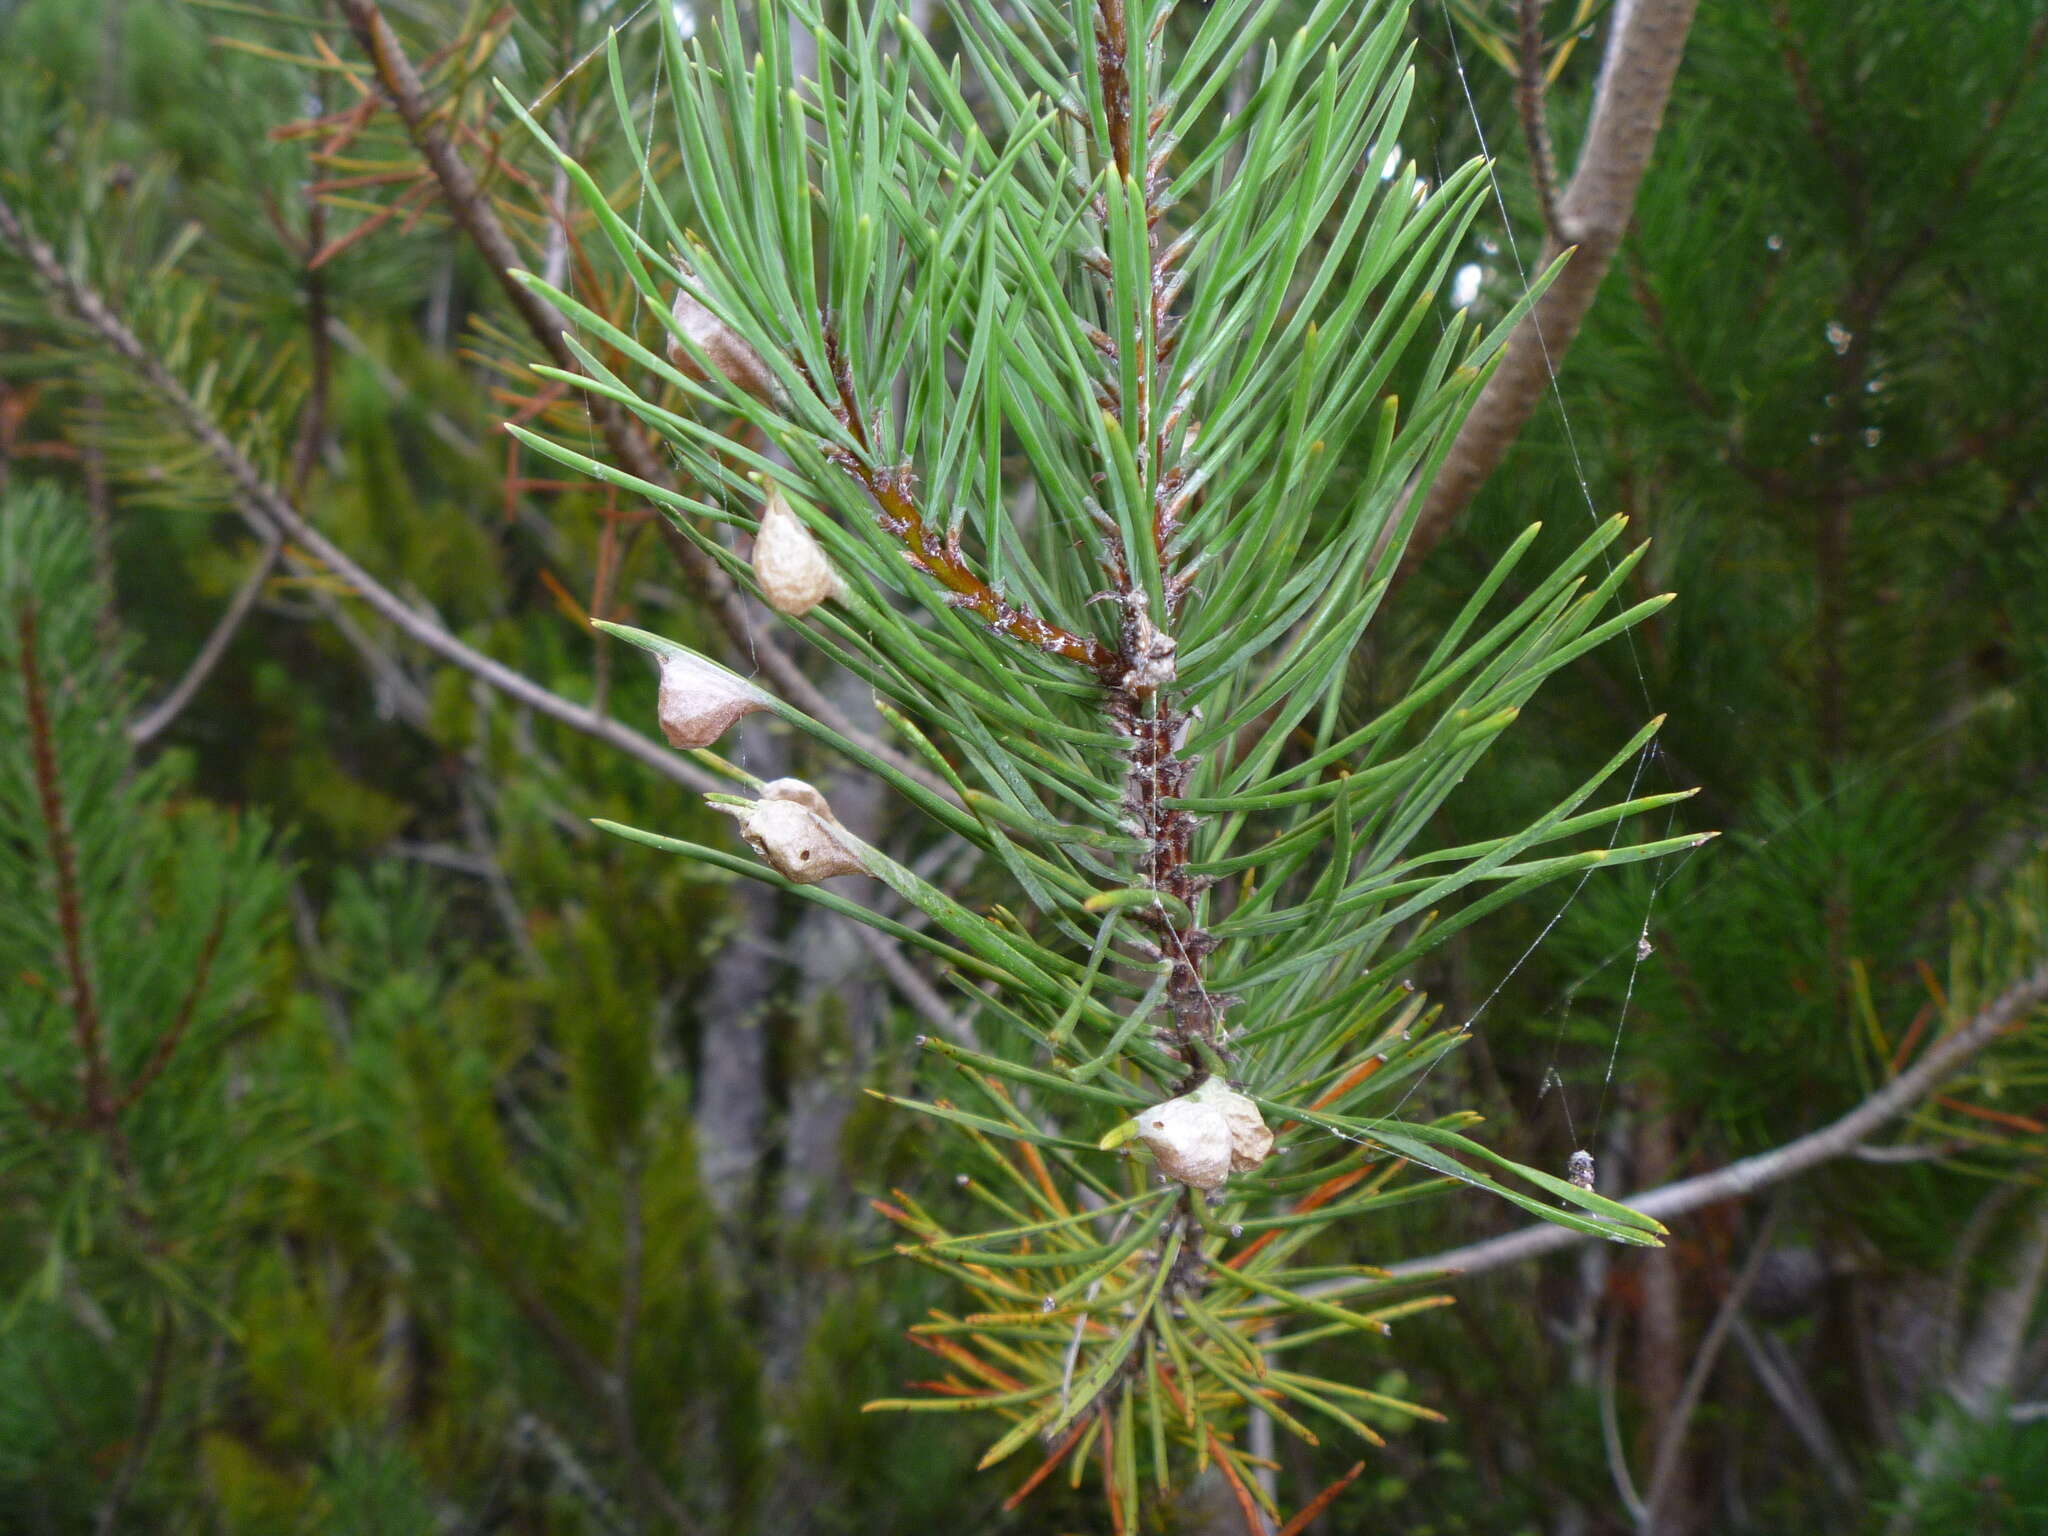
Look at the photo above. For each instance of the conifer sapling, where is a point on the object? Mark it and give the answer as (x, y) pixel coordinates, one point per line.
(1109, 411)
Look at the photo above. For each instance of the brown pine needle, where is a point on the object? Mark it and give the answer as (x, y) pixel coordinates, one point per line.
(1320, 1502)
(1045, 1468)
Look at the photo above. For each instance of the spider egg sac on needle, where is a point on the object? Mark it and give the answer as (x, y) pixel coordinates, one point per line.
(1202, 1137)
(699, 702)
(794, 574)
(793, 829)
(1250, 1142)
(728, 351)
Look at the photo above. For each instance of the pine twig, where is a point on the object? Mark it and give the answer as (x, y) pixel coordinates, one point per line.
(1529, 100)
(895, 500)
(48, 1116)
(168, 1042)
(1592, 214)
(85, 1016)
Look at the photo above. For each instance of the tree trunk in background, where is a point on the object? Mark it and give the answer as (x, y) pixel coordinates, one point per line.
(1660, 1330)
(1646, 40)
(1989, 1370)
(732, 1073)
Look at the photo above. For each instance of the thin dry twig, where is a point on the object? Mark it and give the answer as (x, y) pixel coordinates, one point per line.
(1664, 1466)
(912, 985)
(154, 721)
(1610, 1429)
(1794, 1399)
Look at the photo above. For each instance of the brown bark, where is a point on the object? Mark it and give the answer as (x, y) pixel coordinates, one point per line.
(1660, 1336)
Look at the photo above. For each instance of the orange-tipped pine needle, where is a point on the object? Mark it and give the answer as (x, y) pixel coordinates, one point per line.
(564, 599)
(1116, 1503)
(1181, 1404)
(1319, 1503)
(1995, 1116)
(1349, 1081)
(967, 1360)
(369, 226)
(1912, 1038)
(1253, 1523)
(1321, 1195)
(1934, 989)
(1045, 1469)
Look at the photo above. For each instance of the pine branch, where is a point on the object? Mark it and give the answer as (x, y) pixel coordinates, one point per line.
(1739, 1180)
(473, 211)
(168, 1042)
(273, 516)
(1593, 215)
(893, 493)
(1204, 712)
(85, 1016)
(1529, 100)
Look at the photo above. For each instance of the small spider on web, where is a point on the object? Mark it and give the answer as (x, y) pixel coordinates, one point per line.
(1580, 1170)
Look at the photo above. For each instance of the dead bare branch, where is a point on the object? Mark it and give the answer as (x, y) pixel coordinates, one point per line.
(1665, 1465)
(1985, 1377)
(153, 722)
(1794, 1399)
(1739, 1179)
